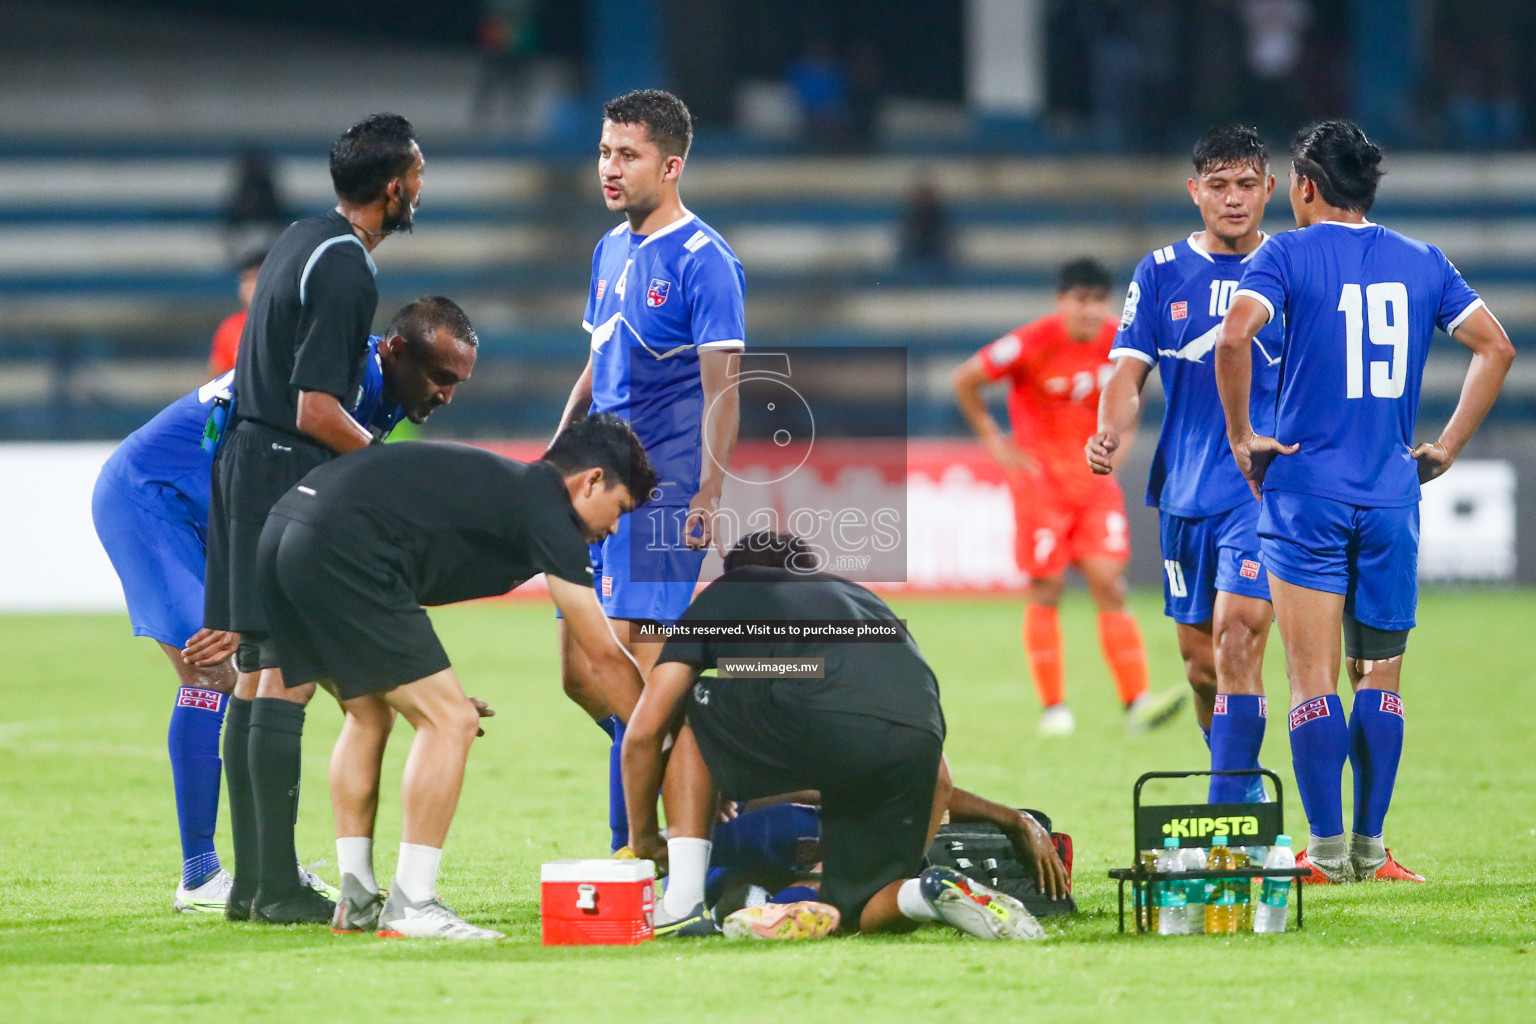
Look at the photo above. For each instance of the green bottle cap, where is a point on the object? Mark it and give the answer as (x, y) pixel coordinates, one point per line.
(1170, 841)
(1218, 840)
(1282, 840)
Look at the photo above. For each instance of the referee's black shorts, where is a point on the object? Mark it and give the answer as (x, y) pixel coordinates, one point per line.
(255, 467)
(342, 611)
(876, 778)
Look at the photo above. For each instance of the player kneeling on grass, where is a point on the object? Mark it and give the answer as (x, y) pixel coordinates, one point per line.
(347, 560)
(868, 734)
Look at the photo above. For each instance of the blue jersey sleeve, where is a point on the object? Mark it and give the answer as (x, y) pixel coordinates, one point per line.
(716, 290)
(1135, 337)
(1457, 299)
(1267, 278)
(589, 316)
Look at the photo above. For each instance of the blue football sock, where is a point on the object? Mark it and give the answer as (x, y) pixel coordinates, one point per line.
(796, 894)
(618, 817)
(1375, 747)
(1205, 734)
(764, 838)
(1237, 733)
(1319, 748)
(193, 741)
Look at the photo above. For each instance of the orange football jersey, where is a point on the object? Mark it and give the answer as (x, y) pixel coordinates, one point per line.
(1053, 396)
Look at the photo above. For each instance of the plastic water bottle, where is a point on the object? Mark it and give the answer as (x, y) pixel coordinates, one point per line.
(1147, 861)
(1242, 887)
(1221, 910)
(1275, 897)
(1172, 901)
(1192, 858)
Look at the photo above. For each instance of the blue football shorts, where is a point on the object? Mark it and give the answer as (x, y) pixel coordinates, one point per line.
(644, 571)
(1211, 553)
(158, 549)
(1370, 555)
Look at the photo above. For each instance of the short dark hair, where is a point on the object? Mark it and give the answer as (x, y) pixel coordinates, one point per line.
(607, 442)
(773, 549)
(666, 118)
(1343, 164)
(371, 154)
(417, 321)
(1230, 145)
(1083, 273)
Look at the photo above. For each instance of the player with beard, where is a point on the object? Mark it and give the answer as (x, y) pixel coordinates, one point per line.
(150, 508)
(301, 359)
(665, 312)
(1215, 588)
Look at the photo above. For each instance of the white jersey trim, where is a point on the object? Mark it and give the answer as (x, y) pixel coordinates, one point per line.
(1350, 224)
(1134, 353)
(669, 228)
(1269, 306)
(587, 327)
(697, 242)
(727, 343)
(1473, 307)
(1263, 237)
(314, 258)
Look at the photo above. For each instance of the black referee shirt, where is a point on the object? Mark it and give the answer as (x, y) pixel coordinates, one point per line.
(889, 681)
(456, 522)
(308, 324)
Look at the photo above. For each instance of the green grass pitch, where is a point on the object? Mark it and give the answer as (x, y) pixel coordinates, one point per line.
(88, 853)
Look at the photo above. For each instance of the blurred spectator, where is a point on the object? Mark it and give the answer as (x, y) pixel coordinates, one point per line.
(1115, 70)
(1483, 99)
(226, 340)
(866, 87)
(507, 35)
(1276, 31)
(925, 248)
(821, 89)
(254, 211)
(1214, 68)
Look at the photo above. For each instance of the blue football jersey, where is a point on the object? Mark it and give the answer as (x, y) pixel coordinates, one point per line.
(1359, 304)
(163, 462)
(656, 302)
(1172, 317)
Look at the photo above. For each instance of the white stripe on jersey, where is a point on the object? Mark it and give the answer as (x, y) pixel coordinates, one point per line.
(314, 257)
(697, 242)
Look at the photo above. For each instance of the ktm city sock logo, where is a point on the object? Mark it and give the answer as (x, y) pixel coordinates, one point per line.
(193, 697)
(1301, 714)
(1392, 704)
(1221, 704)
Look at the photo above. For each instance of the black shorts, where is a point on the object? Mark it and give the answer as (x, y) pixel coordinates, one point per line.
(876, 778)
(256, 466)
(342, 612)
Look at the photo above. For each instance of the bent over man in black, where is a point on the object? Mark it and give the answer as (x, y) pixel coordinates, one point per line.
(348, 558)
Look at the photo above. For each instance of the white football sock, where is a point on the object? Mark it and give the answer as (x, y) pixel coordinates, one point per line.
(909, 900)
(687, 868)
(354, 856)
(416, 874)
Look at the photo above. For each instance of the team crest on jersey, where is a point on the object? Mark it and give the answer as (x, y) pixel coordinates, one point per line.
(1132, 298)
(602, 286)
(656, 293)
(1301, 714)
(1392, 704)
(1249, 570)
(1179, 310)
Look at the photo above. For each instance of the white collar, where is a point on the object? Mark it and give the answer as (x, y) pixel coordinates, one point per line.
(669, 228)
(1263, 237)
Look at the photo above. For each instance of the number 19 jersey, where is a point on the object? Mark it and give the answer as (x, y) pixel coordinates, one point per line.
(1360, 304)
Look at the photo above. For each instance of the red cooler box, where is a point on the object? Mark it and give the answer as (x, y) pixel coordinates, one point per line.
(597, 902)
